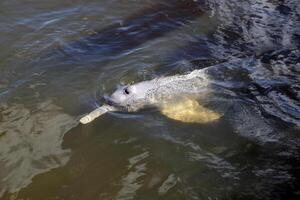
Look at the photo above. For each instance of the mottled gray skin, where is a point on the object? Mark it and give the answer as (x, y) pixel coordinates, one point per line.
(157, 91)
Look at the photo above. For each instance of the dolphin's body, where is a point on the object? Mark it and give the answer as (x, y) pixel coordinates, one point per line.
(157, 91)
(164, 93)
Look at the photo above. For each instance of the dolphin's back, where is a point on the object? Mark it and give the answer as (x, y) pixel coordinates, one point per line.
(179, 85)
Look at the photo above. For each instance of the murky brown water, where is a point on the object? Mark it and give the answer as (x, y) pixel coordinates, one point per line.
(58, 58)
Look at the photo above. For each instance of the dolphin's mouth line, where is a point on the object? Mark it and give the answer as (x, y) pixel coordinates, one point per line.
(116, 106)
(109, 106)
(109, 101)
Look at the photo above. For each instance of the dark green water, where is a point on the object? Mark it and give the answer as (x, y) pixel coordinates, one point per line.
(57, 59)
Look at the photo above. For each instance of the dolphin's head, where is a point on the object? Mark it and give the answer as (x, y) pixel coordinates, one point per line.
(132, 97)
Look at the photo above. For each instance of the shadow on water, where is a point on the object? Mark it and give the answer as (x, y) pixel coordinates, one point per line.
(125, 36)
(146, 25)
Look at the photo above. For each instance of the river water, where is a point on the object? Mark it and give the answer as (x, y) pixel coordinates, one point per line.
(58, 58)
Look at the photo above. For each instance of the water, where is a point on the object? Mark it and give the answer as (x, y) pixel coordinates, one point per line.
(58, 58)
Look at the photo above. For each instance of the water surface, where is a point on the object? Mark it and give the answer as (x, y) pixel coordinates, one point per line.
(57, 59)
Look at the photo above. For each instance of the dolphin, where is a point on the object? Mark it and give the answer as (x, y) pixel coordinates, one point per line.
(175, 96)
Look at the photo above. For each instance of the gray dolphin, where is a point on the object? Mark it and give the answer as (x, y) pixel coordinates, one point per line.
(172, 94)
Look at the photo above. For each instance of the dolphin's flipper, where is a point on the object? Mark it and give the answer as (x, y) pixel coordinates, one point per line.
(96, 113)
(189, 111)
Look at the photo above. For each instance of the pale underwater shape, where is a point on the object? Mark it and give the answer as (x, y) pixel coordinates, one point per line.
(189, 111)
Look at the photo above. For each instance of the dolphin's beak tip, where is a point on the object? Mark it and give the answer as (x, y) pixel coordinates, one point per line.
(85, 120)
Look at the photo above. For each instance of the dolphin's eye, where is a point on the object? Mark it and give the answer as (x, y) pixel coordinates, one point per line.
(126, 91)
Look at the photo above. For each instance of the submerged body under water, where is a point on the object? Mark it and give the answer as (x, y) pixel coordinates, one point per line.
(58, 59)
